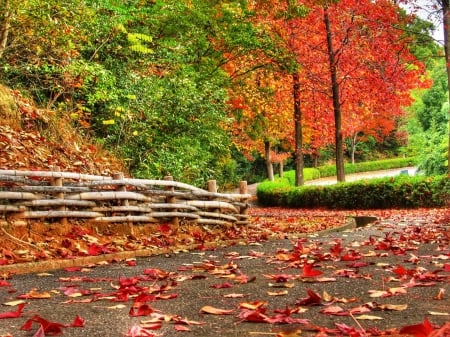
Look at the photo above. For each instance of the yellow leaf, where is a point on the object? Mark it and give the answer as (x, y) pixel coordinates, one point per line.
(35, 294)
(282, 285)
(118, 306)
(14, 303)
(368, 317)
(435, 313)
(108, 122)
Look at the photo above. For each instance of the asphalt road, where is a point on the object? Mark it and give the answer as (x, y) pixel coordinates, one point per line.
(182, 284)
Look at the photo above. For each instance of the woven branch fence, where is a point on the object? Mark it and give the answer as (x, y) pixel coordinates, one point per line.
(66, 196)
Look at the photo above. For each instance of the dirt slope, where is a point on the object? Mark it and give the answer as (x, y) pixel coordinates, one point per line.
(38, 139)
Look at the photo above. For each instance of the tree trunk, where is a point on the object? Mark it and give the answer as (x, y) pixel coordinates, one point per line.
(340, 173)
(446, 21)
(269, 166)
(299, 180)
(4, 27)
(281, 169)
(354, 147)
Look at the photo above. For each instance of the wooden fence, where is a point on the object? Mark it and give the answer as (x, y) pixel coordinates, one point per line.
(66, 196)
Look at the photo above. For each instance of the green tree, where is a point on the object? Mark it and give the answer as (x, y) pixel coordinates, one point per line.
(165, 106)
(434, 100)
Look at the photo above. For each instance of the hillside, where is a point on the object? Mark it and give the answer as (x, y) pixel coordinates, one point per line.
(38, 139)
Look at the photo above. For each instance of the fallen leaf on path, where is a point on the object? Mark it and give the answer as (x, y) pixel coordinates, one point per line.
(312, 299)
(35, 294)
(179, 327)
(435, 313)
(440, 294)
(308, 271)
(13, 314)
(215, 311)
(387, 293)
(418, 330)
(277, 293)
(14, 303)
(334, 310)
(233, 295)
(252, 305)
(368, 317)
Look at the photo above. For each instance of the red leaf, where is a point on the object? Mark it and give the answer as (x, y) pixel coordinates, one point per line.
(156, 274)
(4, 283)
(78, 322)
(312, 299)
(137, 331)
(400, 270)
(142, 310)
(418, 330)
(309, 272)
(49, 328)
(39, 332)
(336, 250)
(255, 316)
(72, 269)
(351, 256)
(13, 314)
(222, 285)
(179, 327)
(131, 263)
(334, 310)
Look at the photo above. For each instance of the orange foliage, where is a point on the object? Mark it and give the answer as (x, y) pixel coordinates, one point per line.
(376, 73)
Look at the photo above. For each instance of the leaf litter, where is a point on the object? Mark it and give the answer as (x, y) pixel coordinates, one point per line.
(346, 284)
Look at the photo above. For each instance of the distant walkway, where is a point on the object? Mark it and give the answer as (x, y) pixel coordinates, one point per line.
(364, 175)
(351, 177)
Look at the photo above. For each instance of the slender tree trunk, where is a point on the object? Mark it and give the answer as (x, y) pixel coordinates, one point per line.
(4, 27)
(299, 163)
(281, 169)
(269, 165)
(340, 173)
(446, 21)
(354, 147)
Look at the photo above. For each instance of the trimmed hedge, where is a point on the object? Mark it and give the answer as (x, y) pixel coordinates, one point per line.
(380, 193)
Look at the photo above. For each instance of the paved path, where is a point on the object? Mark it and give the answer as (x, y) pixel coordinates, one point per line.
(173, 288)
(351, 177)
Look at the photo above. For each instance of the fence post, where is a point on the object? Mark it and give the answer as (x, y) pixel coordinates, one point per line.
(58, 181)
(243, 189)
(120, 188)
(212, 186)
(172, 200)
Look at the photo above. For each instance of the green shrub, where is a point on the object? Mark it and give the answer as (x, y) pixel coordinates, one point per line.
(309, 173)
(381, 193)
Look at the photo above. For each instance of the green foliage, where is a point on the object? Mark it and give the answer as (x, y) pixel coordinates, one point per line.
(145, 78)
(434, 100)
(432, 158)
(428, 125)
(394, 192)
(308, 174)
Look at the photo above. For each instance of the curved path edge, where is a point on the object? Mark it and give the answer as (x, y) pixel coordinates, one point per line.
(48, 265)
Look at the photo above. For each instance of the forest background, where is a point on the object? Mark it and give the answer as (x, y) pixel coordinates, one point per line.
(225, 89)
